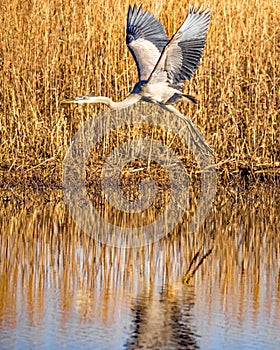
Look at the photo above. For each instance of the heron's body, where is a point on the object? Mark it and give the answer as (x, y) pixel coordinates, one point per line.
(163, 65)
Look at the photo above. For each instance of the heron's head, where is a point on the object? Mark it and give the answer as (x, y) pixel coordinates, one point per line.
(79, 99)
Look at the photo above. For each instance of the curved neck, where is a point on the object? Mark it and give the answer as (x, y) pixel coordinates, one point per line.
(99, 99)
(129, 101)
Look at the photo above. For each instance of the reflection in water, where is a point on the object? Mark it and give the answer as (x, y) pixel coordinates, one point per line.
(163, 322)
(60, 288)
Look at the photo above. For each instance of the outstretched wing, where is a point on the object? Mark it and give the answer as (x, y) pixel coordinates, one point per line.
(145, 38)
(181, 56)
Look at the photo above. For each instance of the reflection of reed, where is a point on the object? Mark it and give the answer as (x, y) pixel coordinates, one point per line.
(41, 249)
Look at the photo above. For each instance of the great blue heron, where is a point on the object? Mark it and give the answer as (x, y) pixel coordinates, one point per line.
(163, 65)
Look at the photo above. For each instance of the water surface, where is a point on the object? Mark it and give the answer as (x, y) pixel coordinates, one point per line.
(61, 289)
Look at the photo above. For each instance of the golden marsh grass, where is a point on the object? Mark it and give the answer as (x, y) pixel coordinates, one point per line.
(56, 49)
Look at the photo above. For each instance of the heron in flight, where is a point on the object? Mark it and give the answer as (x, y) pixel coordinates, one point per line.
(163, 65)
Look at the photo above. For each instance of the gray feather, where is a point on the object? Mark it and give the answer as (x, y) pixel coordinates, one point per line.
(181, 56)
(145, 38)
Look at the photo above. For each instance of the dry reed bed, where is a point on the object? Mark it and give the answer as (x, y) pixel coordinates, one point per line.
(54, 49)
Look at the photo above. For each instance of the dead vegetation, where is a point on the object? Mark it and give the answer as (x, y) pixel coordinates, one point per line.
(58, 49)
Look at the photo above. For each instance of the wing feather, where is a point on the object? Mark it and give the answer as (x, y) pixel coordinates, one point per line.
(181, 56)
(145, 38)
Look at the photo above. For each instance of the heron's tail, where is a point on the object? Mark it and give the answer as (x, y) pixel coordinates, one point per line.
(189, 98)
(177, 97)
